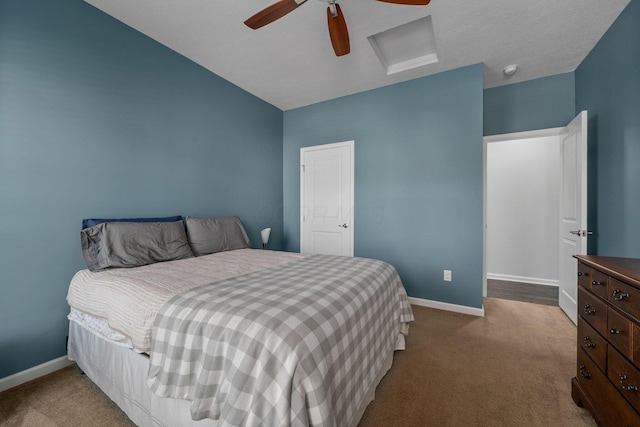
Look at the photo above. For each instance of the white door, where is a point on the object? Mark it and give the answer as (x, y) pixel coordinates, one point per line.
(326, 199)
(573, 210)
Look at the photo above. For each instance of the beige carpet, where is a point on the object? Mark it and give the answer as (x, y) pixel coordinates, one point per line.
(512, 367)
(62, 399)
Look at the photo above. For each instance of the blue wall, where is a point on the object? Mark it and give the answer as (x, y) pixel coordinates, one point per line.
(542, 103)
(418, 178)
(99, 120)
(608, 87)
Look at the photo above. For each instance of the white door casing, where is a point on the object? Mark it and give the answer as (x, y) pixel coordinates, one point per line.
(327, 199)
(573, 210)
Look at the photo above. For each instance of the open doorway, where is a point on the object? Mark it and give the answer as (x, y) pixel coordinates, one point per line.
(522, 202)
(571, 210)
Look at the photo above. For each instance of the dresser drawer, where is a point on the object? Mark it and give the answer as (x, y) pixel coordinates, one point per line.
(593, 310)
(588, 374)
(609, 409)
(625, 297)
(635, 344)
(625, 377)
(593, 344)
(584, 275)
(619, 330)
(598, 283)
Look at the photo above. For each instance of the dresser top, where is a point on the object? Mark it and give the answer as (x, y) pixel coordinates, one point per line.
(627, 269)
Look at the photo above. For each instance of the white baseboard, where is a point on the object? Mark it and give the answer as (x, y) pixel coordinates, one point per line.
(532, 280)
(448, 307)
(32, 373)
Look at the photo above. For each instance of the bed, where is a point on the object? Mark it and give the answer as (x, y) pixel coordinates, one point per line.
(238, 336)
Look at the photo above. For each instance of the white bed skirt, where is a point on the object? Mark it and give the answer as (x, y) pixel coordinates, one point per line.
(121, 374)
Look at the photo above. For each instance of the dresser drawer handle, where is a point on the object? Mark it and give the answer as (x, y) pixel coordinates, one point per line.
(618, 295)
(588, 343)
(614, 331)
(588, 310)
(586, 375)
(596, 283)
(580, 274)
(631, 387)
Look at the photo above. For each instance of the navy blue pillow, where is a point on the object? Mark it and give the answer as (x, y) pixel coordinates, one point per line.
(86, 223)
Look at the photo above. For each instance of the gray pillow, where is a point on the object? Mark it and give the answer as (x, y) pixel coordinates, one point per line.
(132, 244)
(216, 234)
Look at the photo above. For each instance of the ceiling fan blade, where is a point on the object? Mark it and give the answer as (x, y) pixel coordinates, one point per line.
(409, 2)
(338, 31)
(271, 13)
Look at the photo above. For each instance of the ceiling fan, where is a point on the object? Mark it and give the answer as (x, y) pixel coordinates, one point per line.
(337, 26)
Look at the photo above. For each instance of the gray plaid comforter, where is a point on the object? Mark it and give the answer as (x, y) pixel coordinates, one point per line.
(296, 345)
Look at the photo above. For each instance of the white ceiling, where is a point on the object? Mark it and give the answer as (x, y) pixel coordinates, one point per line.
(290, 63)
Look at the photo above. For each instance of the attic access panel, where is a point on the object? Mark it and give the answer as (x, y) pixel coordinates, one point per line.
(407, 46)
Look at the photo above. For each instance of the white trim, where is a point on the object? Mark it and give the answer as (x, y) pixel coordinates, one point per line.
(484, 217)
(541, 133)
(447, 306)
(532, 280)
(32, 373)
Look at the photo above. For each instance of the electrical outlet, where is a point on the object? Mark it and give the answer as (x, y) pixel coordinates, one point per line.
(447, 275)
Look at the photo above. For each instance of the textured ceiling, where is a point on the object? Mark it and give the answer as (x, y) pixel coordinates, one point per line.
(290, 63)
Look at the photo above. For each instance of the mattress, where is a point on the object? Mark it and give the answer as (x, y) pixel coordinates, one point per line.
(121, 374)
(249, 337)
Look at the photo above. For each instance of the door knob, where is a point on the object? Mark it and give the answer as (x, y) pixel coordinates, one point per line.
(581, 233)
(343, 225)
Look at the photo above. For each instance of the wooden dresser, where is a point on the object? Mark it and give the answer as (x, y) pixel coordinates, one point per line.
(607, 382)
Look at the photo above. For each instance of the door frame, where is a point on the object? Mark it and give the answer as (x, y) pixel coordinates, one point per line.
(351, 220)
(540, 133)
